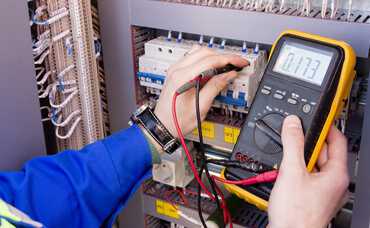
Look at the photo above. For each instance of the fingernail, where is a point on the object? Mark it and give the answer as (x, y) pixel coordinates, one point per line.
(245, 61)
(293, 121)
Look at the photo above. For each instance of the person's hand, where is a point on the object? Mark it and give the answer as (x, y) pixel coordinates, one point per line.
(195, 62)
(302, 199)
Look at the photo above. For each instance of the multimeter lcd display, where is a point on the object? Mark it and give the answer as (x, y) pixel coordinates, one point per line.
(303, 62)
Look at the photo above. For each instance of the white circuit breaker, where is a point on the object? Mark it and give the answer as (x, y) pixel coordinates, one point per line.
(161, 53)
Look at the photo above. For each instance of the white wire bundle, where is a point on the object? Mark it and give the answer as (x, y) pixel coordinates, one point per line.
(70, 131)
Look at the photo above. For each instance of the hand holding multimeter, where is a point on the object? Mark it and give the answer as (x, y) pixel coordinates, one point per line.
(307, 76)
(297, 194)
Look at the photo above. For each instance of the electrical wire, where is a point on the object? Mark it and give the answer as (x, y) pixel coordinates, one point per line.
(324, 8)
(167, 197)
(61, 86)
(201, 146)
(47, 108)
(334, 9)
(65, 71)
(60, 123)
(45, 93)
(63, 12)
(70, 131)
(199, 198)
(247, 166)
(265, 177)
(42, 58)
(349, 13)
(44, 78)
(269, 176)
(191, 163)
(187, 152)
(74, 92)
(42, 70)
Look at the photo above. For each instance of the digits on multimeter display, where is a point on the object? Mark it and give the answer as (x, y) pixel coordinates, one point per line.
(303, 62)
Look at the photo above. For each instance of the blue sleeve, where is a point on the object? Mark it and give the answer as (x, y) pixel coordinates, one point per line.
(80, 188)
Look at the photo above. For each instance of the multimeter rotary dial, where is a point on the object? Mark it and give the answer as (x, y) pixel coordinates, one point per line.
(267, 133)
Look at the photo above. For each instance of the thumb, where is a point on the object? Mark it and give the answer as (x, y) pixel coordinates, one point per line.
(293, 144)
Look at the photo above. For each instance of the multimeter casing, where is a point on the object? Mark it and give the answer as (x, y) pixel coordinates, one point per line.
(280, 95)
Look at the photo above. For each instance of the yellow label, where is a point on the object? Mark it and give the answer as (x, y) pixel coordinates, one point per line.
(236, 134)
(166, 209)
(208, 130)
(231, 134)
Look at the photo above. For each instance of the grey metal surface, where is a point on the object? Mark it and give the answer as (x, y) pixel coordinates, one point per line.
(21, 133)
(116, 39)
(243, 25)
(361, 211)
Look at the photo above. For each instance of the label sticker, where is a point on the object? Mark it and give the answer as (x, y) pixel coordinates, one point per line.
(231, 134)
(166, 209)
(236, 134)
(208, 130)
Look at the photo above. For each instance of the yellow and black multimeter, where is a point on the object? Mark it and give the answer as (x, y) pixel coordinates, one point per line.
(307, 75)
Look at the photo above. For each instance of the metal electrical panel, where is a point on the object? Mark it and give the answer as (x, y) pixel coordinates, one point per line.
(21, 133)
(127, 25)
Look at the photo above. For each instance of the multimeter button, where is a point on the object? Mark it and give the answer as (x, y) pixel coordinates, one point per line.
(295, 96)
(278, 96)
(281, 92)
(292, 101)
(265, 91)
(306, 108)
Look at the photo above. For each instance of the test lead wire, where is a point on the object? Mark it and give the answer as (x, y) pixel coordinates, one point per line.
(201, 151)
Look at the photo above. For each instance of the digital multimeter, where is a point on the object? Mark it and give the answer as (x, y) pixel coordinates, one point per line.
(307, 75)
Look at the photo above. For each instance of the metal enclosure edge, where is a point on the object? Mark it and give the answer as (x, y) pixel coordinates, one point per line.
(115, 26)
(361, 211)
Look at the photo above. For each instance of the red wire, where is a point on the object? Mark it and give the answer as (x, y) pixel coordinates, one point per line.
(168, 193)
(226, 212)
(188, 155)
(265, 177)
(183, 197)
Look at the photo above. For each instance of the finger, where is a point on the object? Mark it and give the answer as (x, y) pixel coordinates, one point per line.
(195, 54)
(323, 157)
(293, 144)
(212, 89)
(337, 151)
(215, 61)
